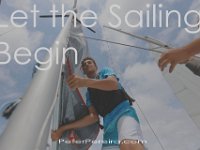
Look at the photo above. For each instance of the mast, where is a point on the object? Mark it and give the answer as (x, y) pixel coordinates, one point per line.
(28, 128)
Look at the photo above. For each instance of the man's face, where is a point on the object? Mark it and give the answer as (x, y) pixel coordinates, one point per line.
(89, 67)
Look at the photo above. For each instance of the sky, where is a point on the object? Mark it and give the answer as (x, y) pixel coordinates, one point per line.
(162, 116)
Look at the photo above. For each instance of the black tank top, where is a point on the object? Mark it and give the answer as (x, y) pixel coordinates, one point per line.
(105, 101)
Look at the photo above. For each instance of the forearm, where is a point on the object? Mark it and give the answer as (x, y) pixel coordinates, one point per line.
(193, 48)
(85, 121)
(106, 84)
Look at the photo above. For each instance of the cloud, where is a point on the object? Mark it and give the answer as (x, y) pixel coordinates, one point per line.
(25, 5)
(183, 37)
(179, 36)
(86, 4)
(171, 1)
(116, 52)
(10, 85)
(195, 5)
(140, 74)
(12, 74)
(16, 37)
(6, 78)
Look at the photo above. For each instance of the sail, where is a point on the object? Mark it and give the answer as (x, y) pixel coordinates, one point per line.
(72, 102)
(186, 87)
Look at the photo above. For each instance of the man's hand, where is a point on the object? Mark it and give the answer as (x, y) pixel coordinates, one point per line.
(56, 135)
(173, 57)
(75, 81)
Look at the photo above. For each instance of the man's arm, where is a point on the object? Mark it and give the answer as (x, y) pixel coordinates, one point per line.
(108, 84)
(179, 55)
(85, 121)
(194, 66)
(193, 48)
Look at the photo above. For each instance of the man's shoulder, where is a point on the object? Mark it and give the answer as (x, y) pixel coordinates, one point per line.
(106, 69)
(105, 72)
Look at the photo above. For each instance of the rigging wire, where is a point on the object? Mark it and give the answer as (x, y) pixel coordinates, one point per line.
(147, 121)
(6, 32)
(111, 61)
(119, 43)
(159, 141)
(154, 50)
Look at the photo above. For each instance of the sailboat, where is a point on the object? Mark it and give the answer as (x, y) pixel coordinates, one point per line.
(37, 124)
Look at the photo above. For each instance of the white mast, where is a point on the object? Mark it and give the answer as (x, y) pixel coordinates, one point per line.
(28, 128)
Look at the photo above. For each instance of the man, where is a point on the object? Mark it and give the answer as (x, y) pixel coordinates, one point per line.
(105, 97)
(180, 55)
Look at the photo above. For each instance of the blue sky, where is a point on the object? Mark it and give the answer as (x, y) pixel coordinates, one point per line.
(136, 68)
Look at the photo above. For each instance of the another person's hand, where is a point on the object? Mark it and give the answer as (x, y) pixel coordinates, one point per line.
(75, 81)
(173, 57)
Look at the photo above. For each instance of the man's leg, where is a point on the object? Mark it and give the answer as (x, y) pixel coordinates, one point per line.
(131, 145)
(130, 134)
